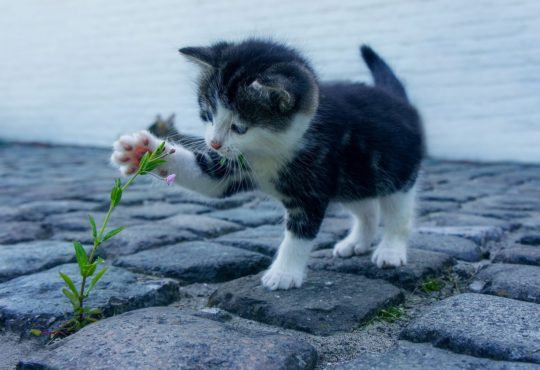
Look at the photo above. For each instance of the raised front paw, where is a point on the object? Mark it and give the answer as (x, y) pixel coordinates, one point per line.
(274, 279)
(129, 149)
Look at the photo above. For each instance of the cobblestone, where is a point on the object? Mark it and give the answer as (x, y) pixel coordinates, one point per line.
(36, 301)
(421, 264)
(512, 281)
(26, 258)
(167, 338)
(483, 326)
(485, 218)
(327, 302)
(522, 254)
(409, 356)
(196, 262)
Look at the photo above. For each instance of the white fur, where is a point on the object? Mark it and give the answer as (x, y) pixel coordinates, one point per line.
(365, 222)
(397, 212)
(288, 269)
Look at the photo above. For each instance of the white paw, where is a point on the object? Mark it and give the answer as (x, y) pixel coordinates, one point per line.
(347, 247)
(343, 249)
(390, 256)
(274, 279)
(129, 149)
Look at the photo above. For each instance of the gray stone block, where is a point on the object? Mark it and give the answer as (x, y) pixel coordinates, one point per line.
(414, 356)
(507, 280)
(266, 239)
(26, 258)
(520, 254)
(202, 225)
(250, 217)
(159, 210)
(38, 210)
(463, 219)
(168, 338)
(36, 301)
(478, 234)
(18, 232)
(421, 264)
(481, 325)
(78, 221)
(455, 246)
(326, 303)
(196, 262)
(141, 237)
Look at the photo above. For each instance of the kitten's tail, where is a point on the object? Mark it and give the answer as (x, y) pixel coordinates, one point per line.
(383, 75)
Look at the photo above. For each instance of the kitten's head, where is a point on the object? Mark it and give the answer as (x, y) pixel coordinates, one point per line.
(256, 96)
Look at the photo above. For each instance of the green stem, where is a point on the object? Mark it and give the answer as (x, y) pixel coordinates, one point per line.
(97, 243)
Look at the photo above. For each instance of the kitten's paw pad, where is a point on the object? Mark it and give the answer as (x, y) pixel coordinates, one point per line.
(275, 280)
(344, 249)
(393, 256)
(129, 149)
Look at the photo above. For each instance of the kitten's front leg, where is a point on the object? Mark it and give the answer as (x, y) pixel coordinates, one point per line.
(289, 268)
(129, 149)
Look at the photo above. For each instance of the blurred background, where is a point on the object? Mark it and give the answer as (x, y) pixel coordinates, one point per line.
(83, 72)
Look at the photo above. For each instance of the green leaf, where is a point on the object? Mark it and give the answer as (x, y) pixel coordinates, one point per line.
(95, 279)
(72, 298)
(153, 164)
(94, 228)
(143, 162)
(80, 254)
(113, 232)
(116, 195)
(90, 268)
(35, 332)
(69, 283)
(95, 311)
(159, 150)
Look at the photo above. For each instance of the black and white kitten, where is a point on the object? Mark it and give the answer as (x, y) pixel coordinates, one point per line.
(303, 142)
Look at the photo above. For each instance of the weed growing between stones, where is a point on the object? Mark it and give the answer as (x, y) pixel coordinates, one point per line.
(432, 285)
(88, 265)
(390, 314)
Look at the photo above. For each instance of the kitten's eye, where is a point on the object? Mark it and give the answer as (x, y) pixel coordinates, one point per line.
(240, 130)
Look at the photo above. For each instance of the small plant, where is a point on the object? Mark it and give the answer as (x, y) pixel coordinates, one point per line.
(432, 285)
(87, 263)
(391, 314)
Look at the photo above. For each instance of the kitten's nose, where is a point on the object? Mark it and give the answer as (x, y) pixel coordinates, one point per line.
(215, 144)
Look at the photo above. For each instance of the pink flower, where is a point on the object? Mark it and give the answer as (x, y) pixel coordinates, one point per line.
(170, 179)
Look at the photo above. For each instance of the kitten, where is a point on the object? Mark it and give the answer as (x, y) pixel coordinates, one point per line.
(303, 142)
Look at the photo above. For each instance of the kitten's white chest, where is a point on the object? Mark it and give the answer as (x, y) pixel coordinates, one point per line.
(265, 173)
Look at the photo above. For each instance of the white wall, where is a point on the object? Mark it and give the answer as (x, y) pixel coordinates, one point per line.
(86, 71)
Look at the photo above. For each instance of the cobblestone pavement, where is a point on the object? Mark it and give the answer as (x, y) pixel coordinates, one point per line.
(183, 286)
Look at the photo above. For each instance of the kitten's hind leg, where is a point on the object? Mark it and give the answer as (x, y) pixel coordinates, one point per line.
(365, 215)
(397, 213)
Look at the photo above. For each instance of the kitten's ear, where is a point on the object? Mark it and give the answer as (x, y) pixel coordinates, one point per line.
(158, 118)
(203, 56)
(170, 120)
(274, 92)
